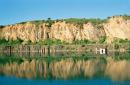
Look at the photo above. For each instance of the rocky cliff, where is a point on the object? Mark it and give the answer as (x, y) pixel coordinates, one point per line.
(114, 27)
(117, 27)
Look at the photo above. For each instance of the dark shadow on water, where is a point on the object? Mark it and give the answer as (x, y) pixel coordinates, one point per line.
(17, 81)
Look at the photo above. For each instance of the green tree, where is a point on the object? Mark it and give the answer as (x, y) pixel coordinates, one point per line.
(49, 22)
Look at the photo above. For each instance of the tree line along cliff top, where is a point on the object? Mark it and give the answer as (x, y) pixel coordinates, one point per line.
(78, 21)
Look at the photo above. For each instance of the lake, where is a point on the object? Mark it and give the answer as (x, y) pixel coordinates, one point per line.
(65, 68)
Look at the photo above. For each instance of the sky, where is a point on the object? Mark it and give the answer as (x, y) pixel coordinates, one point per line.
(14, 11)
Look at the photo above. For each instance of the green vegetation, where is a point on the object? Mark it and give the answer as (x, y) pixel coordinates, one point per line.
(10, 42)
(49, 22)
(126, 17)
(121, 41)
(81, 42)
(45, 42)
(121, 56)
(84, 20)
(102, 39)
(50, 42)
(77, 21)
(1, 26)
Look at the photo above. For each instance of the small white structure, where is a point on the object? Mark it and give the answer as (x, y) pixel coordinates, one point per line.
(101, 51)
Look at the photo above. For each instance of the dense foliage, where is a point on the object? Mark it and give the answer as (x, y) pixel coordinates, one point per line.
(1, 26)
(81, 42)
(102, 40)
(50, 42)
(121, 41)
(10, 42)
(84, 21)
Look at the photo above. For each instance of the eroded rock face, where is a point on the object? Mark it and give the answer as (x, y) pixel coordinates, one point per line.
(59, 30)
(25, 32)
(117, 27)
(89, 32)
(63, 31)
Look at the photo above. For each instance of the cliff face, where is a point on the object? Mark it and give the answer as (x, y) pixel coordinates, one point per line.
(26, 32)
(63, 31)
(115, 27)
(70, 32)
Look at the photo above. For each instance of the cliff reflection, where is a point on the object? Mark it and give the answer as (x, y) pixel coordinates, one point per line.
(118, 70)
(68, 68)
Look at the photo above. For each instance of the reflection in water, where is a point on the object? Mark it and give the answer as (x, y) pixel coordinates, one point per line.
(118, 70)
(68, 68)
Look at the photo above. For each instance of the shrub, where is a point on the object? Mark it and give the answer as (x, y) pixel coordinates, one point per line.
(3, 41)
(10, 42)
(49, 22)
(1, 26)
(81, 42)
(116, 46)
(121, 41)
(84, 20)
(102, 39)
(50, 42)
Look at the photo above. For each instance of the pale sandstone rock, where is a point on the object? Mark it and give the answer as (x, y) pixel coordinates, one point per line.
(116, 27)
(89, 32)
(63, 31)
(25, 32)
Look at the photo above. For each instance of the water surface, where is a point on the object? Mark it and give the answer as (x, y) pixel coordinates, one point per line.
(65, 69)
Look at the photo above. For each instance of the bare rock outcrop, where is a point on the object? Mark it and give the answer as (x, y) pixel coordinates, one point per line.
(117, 27)
(63, 31)
(89, 32)
(70, 32)
(26, 32)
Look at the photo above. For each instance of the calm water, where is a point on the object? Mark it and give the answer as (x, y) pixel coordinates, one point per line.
(65, 69)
